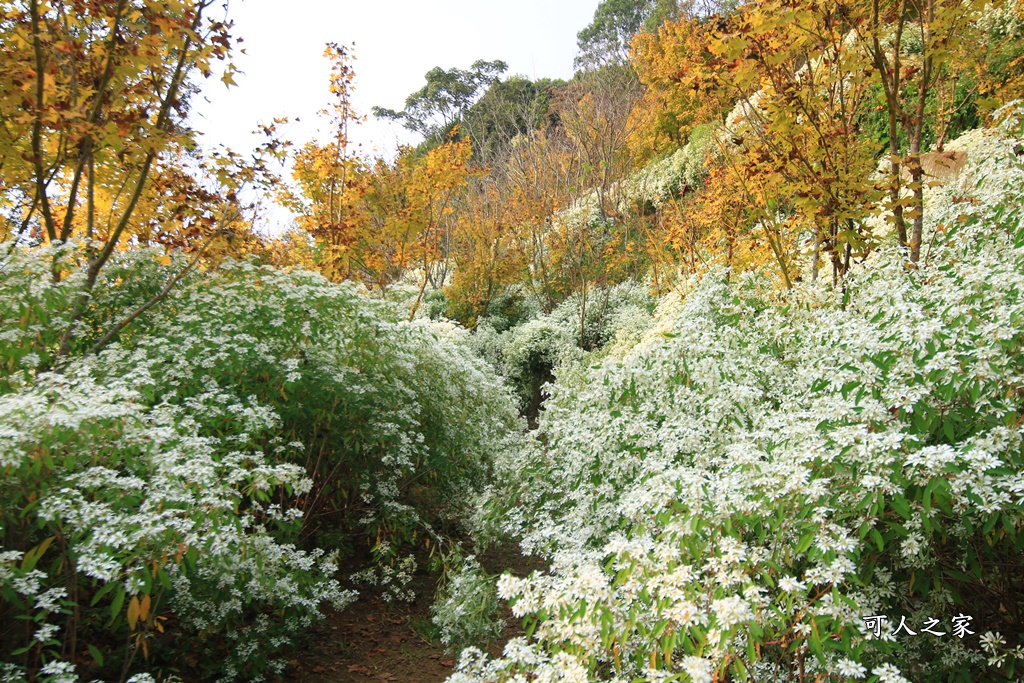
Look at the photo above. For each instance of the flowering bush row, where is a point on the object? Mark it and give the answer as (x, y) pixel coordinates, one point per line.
(162, 501)
(653, 185)
(526, 355)
(764, 471)
(677, 173)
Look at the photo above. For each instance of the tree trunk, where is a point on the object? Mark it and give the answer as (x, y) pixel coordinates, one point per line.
(816, 257)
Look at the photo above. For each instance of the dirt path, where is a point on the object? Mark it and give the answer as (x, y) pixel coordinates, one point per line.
(373, 640)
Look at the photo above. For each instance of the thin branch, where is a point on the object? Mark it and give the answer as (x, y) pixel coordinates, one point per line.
(86, 146)
(96, 264)
(157, 298)
(37, 123)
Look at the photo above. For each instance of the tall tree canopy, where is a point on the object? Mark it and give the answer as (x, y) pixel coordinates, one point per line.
(433, 110)
(606, 39)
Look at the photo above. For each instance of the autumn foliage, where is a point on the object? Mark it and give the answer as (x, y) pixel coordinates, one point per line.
(804, 102)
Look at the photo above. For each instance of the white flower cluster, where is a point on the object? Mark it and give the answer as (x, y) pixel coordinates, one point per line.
(675, 174)
(180, 463)
(654, 185)
(392, 580)
(1005, 20)
(608, 322)
(465, 609)
(771, 467)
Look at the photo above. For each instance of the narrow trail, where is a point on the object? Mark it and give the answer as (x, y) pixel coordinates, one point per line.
(374, 640)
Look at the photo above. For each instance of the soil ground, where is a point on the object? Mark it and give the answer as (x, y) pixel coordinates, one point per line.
(395, 642)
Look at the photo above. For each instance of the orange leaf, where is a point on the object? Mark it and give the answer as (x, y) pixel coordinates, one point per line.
(133, 612)
(144, 608)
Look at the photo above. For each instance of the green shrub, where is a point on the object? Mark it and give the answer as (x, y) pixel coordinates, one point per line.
(160, 498)
(732, 499)
(466, 607)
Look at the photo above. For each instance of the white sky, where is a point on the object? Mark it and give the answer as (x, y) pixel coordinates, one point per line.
(396, 43)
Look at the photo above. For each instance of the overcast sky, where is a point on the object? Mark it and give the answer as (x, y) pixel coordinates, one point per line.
(396, 43)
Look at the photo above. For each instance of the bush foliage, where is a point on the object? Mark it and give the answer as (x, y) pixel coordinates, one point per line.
(166, 491)
(733, 497)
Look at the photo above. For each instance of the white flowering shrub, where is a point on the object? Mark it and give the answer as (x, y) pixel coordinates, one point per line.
(35, 309)
(642, 191)
(607, 310)
(391, 578)
(129, 517)
(529, 355)
(532, 352)
(664, 179)
(466, 607)
(627, 327)
(511, 308)
(1002, 20)
(732, 498)
(166, 496)
(488, 343)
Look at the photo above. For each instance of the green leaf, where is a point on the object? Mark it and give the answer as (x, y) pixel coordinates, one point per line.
(815, 642)
(877, 538)
(899, 503)
(164, 578)
(805, 542)
(117, 604)
(848, 387)
(926, 497)
(103, 591)
(32, 557)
